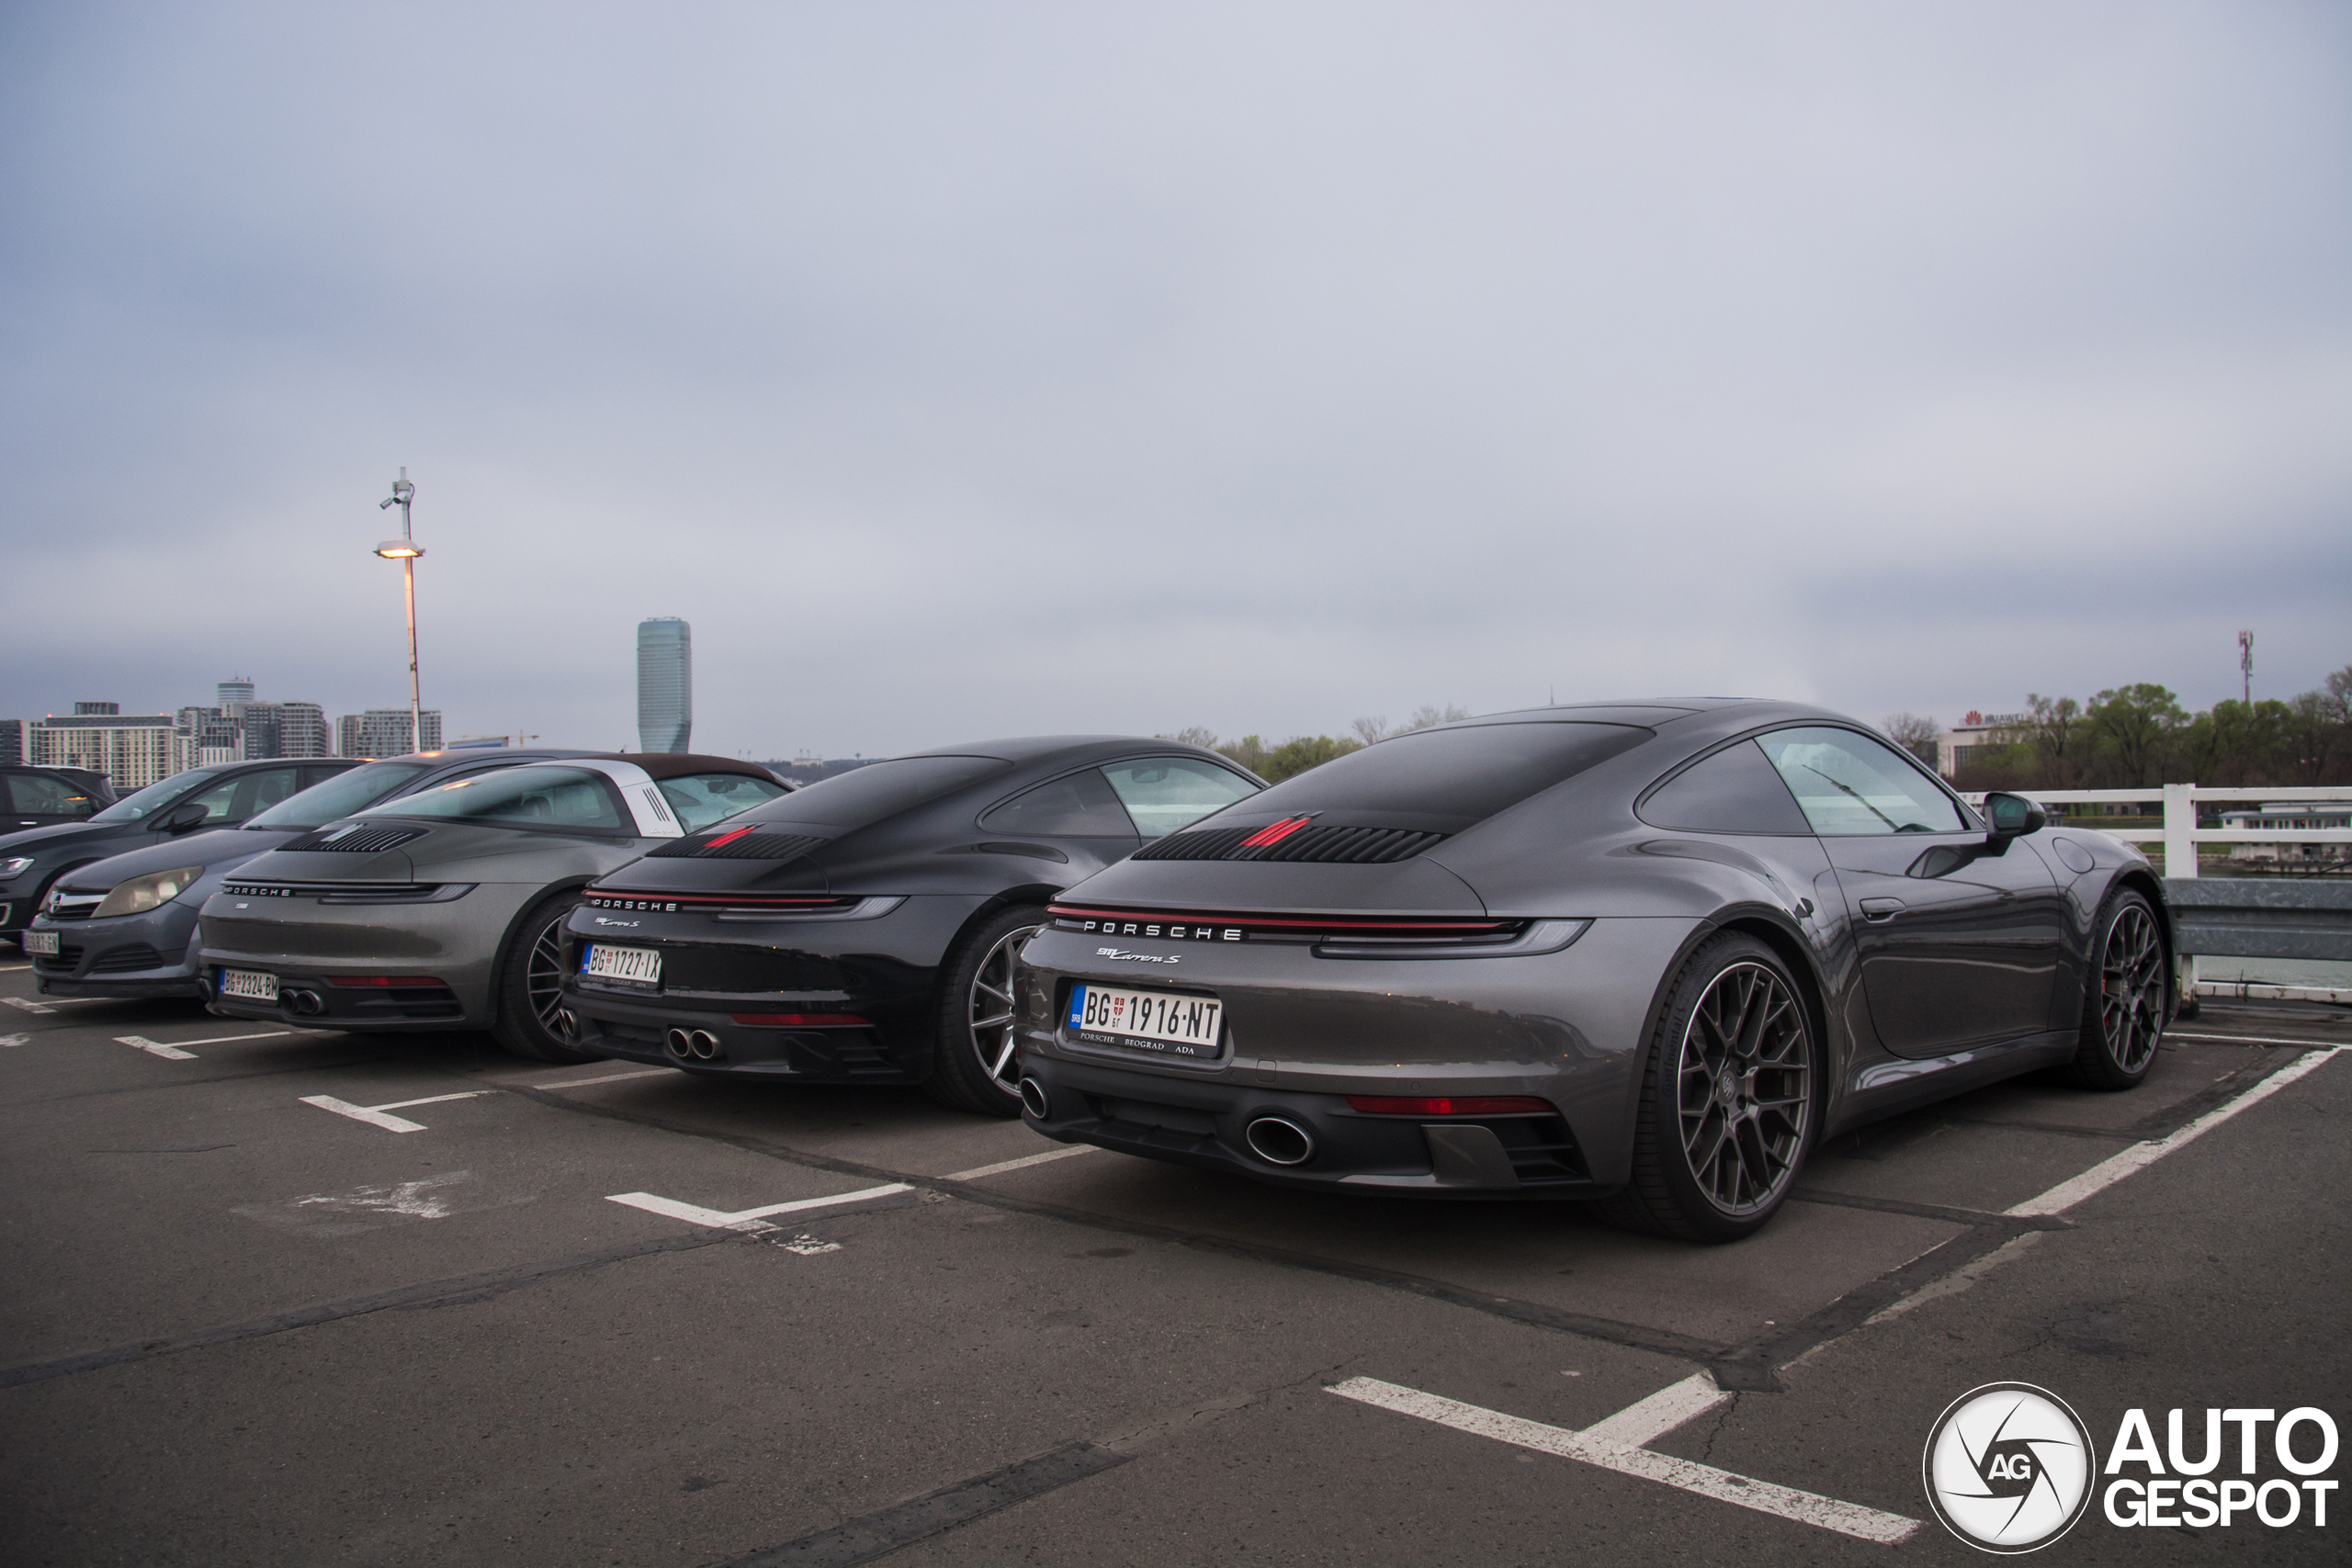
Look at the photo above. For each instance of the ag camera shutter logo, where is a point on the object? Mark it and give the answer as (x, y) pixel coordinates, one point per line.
(2009, 1467)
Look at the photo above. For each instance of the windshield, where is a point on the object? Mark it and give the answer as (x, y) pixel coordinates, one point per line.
(156, 796)
(877, 790)
(339, 796)
(531, 797)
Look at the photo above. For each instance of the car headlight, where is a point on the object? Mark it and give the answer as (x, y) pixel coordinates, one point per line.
(15, 867)
(141, 893)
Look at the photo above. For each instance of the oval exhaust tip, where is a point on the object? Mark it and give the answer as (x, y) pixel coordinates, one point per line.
(1279, 1141)
(706, 1044)
(678, 1043)
(1034, 1099)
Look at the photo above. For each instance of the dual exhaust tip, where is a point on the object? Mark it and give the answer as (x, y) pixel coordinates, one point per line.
(306, 1004)
(693, 1045)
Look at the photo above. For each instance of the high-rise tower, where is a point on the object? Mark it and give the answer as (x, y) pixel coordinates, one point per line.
(665, 684)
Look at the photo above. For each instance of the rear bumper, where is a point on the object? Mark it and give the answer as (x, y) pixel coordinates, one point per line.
(1207, 1123)
(633, 1031)
(310, 946)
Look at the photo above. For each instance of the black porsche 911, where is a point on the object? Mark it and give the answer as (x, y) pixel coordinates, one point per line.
(864, 928)
(1646, 955)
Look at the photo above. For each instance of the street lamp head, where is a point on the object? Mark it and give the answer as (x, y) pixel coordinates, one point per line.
(398, 550)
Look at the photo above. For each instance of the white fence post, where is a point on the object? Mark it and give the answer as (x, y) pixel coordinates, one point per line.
(2180, 861)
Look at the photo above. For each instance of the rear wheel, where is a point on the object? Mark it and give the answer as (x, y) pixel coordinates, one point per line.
(974, 1066)
(2123, 1002)
(1726, 1114)
(532, 1020)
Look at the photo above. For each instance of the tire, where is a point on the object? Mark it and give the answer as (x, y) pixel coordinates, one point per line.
(973, 1066)
(2123, 997)
(1717, 1147)
(532, 1021)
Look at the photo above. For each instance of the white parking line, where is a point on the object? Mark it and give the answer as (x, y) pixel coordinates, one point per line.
(7, 1040)
(2248, 1039)
(2139, 1157)
(156, 1047)
(608, 1077)
(374, 1114)
(1589, 1448)
(5, 968)
(745, 1219)
(1022, 1164)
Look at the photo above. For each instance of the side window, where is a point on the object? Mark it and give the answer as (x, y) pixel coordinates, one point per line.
(1164, 794)
(220, 801)
(1078, 805)
(1737, 790)
(1847, 783)
(48, 796)
(700, 799)
(258, 792)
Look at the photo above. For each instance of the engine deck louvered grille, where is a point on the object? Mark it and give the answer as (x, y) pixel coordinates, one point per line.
(739, 845)
(1327, 846)
(360, 840)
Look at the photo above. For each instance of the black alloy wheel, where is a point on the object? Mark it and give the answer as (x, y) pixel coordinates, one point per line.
(532, 1020)
(2123, 1000)
(975, 1066)
(1727, 1114)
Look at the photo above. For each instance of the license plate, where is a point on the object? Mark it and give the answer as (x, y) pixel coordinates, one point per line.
(643, 964)
(1145, 1021)
(40, 942)
(249, 984)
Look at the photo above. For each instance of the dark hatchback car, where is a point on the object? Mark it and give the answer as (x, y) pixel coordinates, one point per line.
(127, 926)
(43, 797)
(866, 928)
(223, 797)
(1647, 954)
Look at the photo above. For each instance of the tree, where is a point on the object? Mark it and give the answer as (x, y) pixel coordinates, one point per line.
(2055, 720)
(1193, 735)
(1426, 717)
(1295, 756)
(1250, 751)
(2130, 729)
(1372, 731)
(1914, 733)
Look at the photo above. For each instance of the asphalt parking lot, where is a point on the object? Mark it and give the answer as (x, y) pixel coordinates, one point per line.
(311, 1298)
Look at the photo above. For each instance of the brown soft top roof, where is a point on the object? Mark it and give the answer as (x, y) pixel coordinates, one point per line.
(672, 764)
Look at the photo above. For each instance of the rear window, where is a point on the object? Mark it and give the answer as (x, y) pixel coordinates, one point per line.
(877, 790)
(339, 796)
(1466, 775)
(530, 797)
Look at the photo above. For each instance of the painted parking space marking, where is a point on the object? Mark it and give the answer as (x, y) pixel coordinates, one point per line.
(53, 1003)
(608, 1077)
(1588, 1447)
(2109, 1171)
(155, 1047)
(2246, 1040)
(1024, 1162)
(178, 1050)
(747, 1219)
(7, 1040)
(374, 1114)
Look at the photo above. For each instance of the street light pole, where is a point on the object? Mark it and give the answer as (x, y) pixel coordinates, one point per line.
(405, 550)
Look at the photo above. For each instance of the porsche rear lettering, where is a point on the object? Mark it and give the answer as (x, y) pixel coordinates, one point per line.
(1177, 934)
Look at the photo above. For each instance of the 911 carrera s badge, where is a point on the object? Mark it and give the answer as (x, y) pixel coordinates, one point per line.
(1121, 955)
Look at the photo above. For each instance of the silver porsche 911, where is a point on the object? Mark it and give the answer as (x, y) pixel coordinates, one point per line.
(445, 910)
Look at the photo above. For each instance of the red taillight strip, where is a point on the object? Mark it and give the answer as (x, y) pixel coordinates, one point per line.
(384, 980)
(1273, 833)
(1443, 1105)
(1336, 923)
(725, 839)
(800, 1019)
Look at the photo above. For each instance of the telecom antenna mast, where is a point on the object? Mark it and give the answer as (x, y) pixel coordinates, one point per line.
(2245, 664)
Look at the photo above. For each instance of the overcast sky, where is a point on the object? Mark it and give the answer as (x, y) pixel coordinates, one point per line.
(967, 370)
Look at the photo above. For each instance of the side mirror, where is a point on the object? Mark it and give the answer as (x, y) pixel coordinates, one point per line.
(180, 819)
(2012, 817)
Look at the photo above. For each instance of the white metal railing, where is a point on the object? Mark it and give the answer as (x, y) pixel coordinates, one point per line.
(2178, 829)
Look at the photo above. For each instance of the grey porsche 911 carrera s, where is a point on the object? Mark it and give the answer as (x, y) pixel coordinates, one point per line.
(1646, 955)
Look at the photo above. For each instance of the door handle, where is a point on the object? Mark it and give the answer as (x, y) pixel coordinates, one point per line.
(1881, 908)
